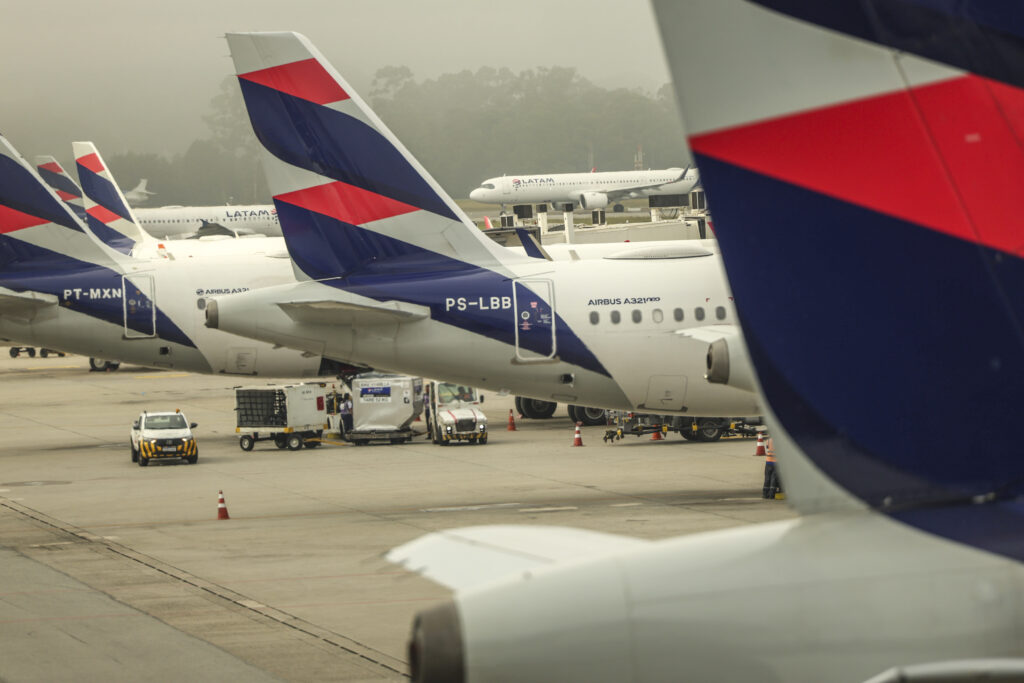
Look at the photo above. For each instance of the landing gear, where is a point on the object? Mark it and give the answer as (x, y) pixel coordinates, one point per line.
(590, 417)
(100, 365)
(535, 409)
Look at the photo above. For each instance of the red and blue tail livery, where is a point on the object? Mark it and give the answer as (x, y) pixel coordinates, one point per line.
(895, 155)
(107, 212)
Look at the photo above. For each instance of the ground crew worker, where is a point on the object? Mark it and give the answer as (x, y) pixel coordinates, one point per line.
(345, 410)
(772, 483)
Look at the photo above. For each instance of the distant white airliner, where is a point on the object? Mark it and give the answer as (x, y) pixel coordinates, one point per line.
(172, 221)
(587, 190)
(139, 193)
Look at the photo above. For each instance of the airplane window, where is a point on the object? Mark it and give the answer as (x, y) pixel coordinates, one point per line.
(678, 314)
(699, 313)
(616, 317)
(720, 312)
(637, 316)
(656, 315)
(489, 186)
(594, 317)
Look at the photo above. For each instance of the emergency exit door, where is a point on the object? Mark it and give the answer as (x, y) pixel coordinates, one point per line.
(534, 307)
(138, 295)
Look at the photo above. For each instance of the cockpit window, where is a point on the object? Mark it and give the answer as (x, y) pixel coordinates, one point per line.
(488, 186)
(175, 421)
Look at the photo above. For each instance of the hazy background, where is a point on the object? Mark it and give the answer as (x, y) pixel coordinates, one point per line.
(487, 88)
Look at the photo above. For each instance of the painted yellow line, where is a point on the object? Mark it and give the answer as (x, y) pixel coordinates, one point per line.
(167, 375)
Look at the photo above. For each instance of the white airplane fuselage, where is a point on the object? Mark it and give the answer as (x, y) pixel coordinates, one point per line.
(589, 190)
(615, 342)
(173, 221)
(93, 312)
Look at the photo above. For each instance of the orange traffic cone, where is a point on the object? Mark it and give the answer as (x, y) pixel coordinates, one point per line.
(578, 439)
(222, 508)
(760, 444)
(656, 436)
(511, 421)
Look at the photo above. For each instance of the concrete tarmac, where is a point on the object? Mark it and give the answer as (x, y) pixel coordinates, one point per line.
(119, 572)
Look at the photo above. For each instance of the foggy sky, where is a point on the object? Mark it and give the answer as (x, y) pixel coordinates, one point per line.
(138, 76)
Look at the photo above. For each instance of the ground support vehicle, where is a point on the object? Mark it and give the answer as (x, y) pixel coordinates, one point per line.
(384, 407)
(159, 436)
(690, 428)
(453, 414)
(291, 415)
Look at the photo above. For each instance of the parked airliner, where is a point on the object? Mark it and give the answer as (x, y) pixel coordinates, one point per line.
(586, 190)
(394, 275)
(174, 221)
(61, 288)
(888, 329)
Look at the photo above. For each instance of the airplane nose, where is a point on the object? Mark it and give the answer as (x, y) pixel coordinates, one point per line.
(477, 194)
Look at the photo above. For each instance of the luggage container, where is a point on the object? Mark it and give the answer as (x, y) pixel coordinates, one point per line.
(291, 415)
(384, 407)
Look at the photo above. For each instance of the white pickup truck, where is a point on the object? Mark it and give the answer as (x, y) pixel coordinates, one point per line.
(163, 435)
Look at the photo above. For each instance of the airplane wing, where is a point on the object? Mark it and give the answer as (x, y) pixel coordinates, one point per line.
(471, 556)
(955, 671)
(335, 312)
(24, 304)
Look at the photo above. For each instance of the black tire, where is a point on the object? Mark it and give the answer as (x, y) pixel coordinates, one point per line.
(294, 442)
(192, 459)
(31, 352)
(100, 365)
(43, 353)
(482, 439)
(571, 409)
(246, 442)
(143, 462)
(708, 429)
(281, 441)
(14, 352)
(536, 409)
(135, 453)
(519, 406)
(312, 444)
(112, 365)
(591, 417)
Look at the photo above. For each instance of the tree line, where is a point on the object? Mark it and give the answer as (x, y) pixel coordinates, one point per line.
(463, 127)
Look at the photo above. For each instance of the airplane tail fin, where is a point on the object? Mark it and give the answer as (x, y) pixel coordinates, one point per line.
(892, 322)
(54, 175)
(108, 214)
(141, 191)
(39, 233)
(348, 193)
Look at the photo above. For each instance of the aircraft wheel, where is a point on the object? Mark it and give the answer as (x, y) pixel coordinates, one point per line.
(536, 409)
(591, 417)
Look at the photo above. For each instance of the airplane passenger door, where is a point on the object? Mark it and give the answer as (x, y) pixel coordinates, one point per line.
(506, 186)
(138, 295)
(533, 302)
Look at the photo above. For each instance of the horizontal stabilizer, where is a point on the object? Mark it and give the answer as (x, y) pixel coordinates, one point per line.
(350, 313)
(471, 556)
(956, 671)
(24, 304)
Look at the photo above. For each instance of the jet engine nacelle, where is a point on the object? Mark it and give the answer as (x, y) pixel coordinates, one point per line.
(592, 200)
(729, 364)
